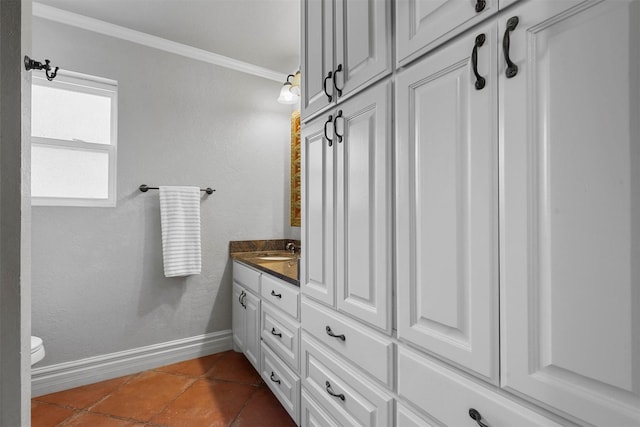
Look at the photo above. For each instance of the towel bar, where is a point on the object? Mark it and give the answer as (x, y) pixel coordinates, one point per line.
(144, 188)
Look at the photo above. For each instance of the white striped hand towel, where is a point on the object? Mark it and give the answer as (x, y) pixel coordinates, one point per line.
(180, 217)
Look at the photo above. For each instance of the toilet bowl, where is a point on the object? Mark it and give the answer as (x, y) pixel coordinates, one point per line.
(37, 350)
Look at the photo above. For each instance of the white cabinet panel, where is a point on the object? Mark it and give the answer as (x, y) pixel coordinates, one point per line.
(281, 294)
(317, 263)
(282, 381)
(312, 414)
(448, 397)
(363, 207)
(252, 313)
(353, 400)
(422, 25)
(367, 349)
(363, 43)
(447, 204)
(405, 417)
(317, 61)
(281, 334)
(247, 277)
(570, 240)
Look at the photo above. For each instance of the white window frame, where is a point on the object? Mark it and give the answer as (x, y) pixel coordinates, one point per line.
(83, 83)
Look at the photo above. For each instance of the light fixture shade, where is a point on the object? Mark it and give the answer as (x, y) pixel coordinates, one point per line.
(286, 96)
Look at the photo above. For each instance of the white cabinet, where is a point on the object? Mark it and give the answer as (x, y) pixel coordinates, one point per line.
(347, 44)
(449, 399)
(562, 187)
(347, 156)
(246, 324)
(447, 203)
(422, 25)
(570, 231)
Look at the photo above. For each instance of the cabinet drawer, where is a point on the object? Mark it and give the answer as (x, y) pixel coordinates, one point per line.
(281, 295)
(282, 381)
(450, 397)
(312, 414)
(365, 348)
(282, 334)
(405, 417)
(351, 398)
(247, 277)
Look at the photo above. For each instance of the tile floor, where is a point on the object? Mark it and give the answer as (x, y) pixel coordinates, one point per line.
(218, 390)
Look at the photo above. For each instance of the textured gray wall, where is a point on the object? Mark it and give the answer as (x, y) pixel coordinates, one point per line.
(98, 283)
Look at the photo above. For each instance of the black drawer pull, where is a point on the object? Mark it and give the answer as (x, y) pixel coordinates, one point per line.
(331, 334)
(273, 332)
(512, 69)
(480, 5)
(273, 379)
(339, 396)
(480, 81)
(475, 415)
(335, 83)
(273, 293)
(324, 85)
(329, 120)
(335, 126)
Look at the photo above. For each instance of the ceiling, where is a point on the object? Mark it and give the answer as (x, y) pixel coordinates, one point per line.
(261, 32)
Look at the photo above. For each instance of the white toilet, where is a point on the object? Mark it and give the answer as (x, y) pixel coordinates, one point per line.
(37, 350)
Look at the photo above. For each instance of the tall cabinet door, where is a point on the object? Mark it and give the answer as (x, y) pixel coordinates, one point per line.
(362, 44)
(252, 313)
(317, 269)
(238, 317)
(421, 25)
(363, 206)
(317, 62)
(447, 204)
(570, 232)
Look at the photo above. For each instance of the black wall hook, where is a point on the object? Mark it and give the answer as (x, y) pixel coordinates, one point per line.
(30, 64)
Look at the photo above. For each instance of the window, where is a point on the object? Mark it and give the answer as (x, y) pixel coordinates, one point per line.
(73, 140)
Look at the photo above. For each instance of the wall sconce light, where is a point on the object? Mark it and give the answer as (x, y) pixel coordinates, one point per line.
(290, 91)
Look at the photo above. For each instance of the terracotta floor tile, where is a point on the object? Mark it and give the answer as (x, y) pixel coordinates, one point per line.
(234, 367)
(193, 368)
(206, 403)
(88, 419)
(85, 396)
(264, 410)
(46, 415)
(143, 396)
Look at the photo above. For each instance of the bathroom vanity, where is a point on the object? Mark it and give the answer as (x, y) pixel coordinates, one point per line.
(266, 318)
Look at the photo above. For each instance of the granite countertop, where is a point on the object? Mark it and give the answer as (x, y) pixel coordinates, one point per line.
(286, 270)
(254, 252)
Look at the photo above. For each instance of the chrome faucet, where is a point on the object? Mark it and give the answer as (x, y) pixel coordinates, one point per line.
(291, 247)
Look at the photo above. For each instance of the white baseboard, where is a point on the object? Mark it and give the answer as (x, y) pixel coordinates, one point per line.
(63, 376)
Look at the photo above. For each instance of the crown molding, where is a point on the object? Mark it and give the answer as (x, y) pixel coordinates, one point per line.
(91, 24)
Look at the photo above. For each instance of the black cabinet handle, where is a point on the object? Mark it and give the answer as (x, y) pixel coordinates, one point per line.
(480, 5)
(335, 126)
(480, 81)
(273, 332)
(273, 293)
(329, 120)
(475, 415)
(273, 379)
(512, 69)
(240, 297)
(324, 86)
(243, 295)
(339, 396)
(335, 83)
(331, 334)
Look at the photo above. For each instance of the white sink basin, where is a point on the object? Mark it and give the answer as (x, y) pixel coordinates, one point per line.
(275, 258)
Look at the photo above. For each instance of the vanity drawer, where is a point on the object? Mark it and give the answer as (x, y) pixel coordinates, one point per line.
(247, 277)
(282, 381)
(281, 294)
(351, 398)
(282, 335)
(365, 348)
(415, 372)
(312, 414)
(405, 417)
